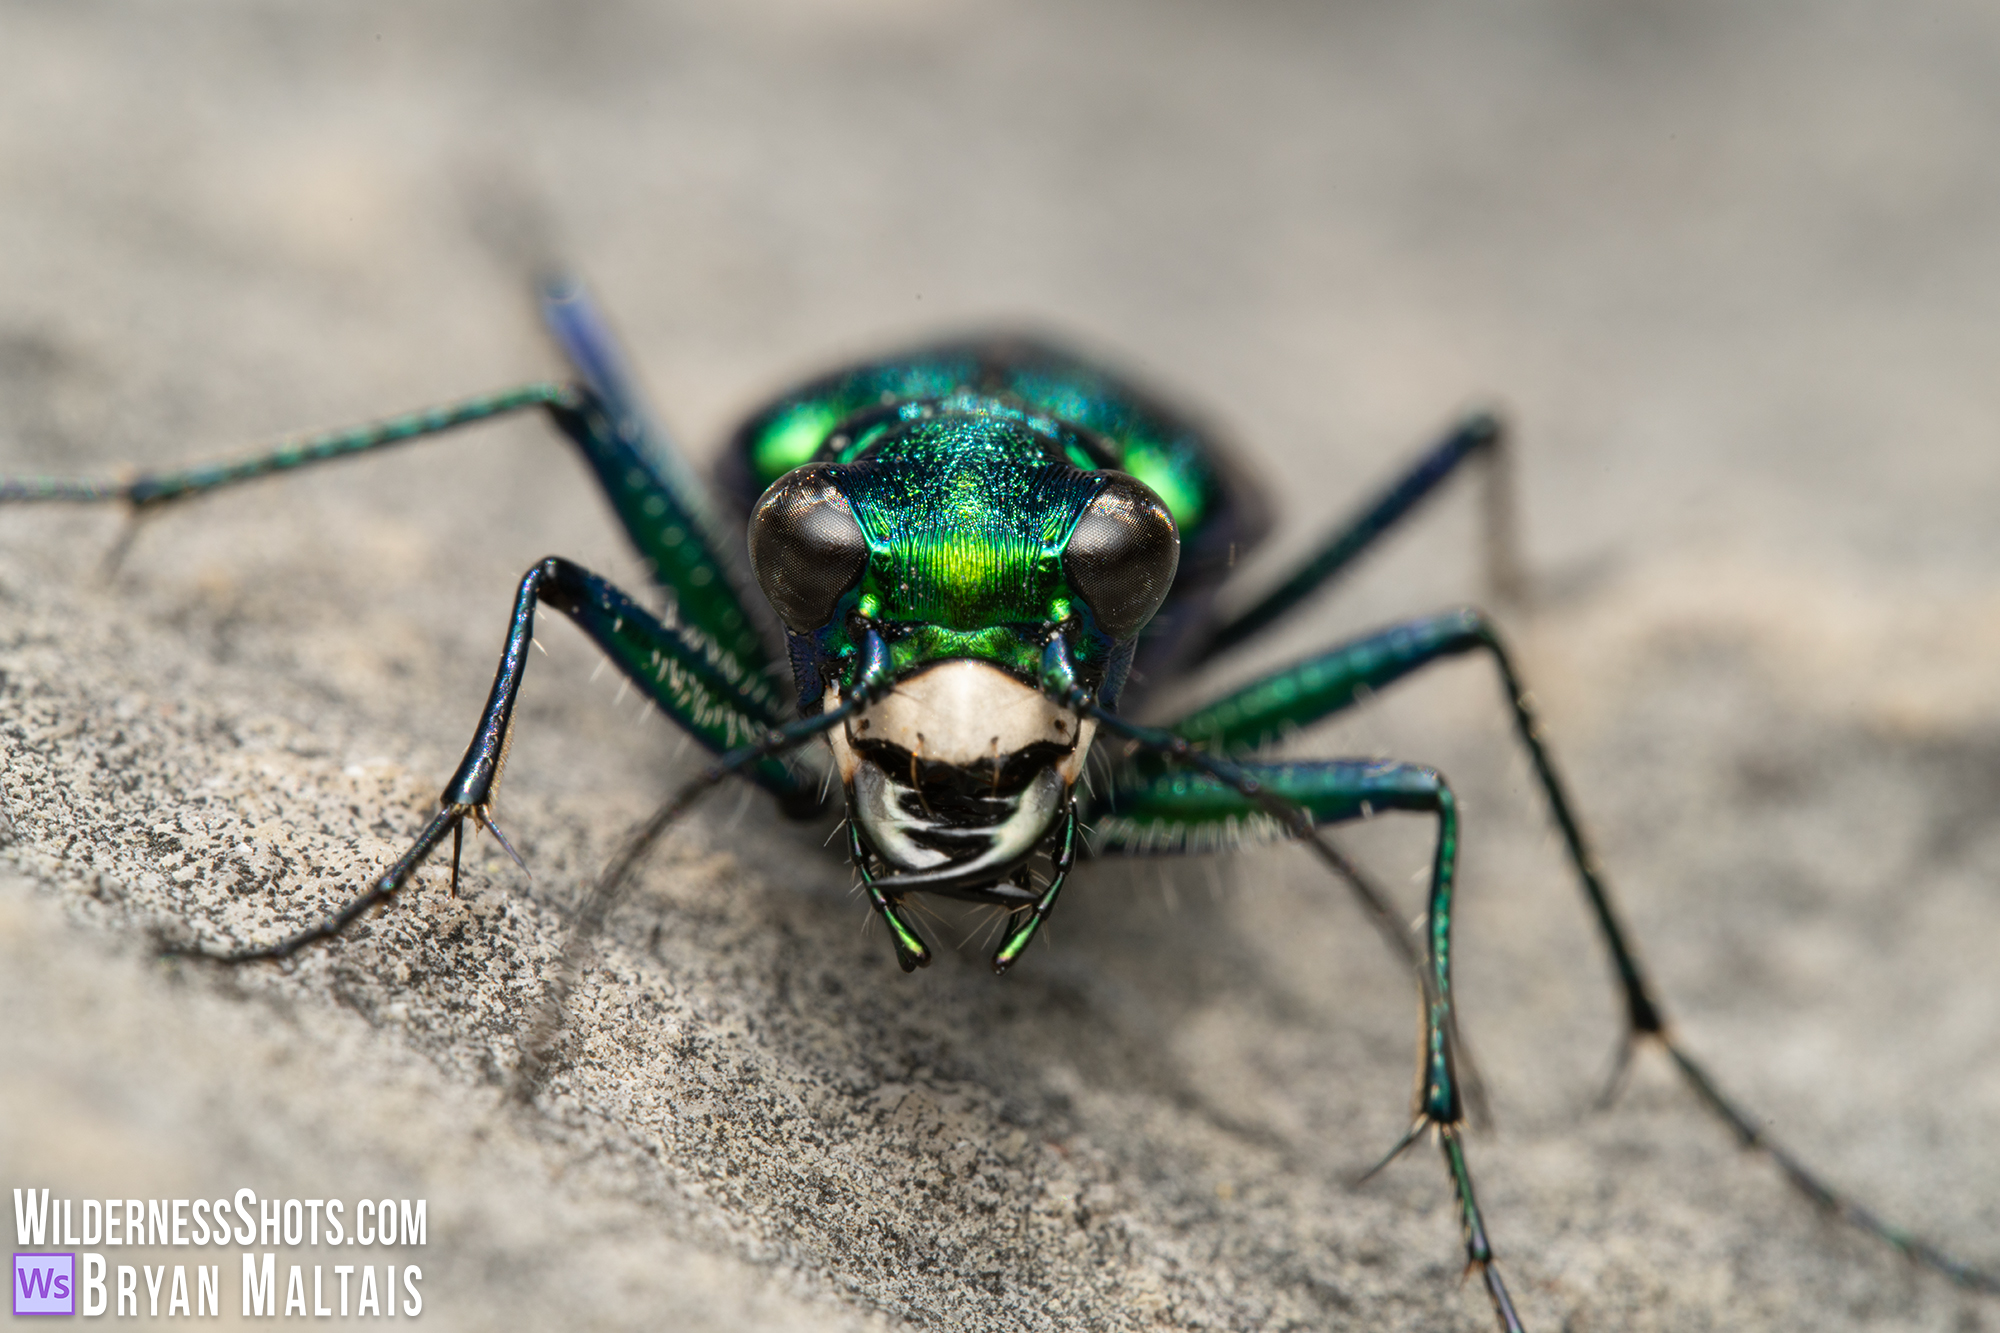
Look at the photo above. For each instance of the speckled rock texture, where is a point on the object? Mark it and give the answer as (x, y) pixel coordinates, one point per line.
(1730, 270)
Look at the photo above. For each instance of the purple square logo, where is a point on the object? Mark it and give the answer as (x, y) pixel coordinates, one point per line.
(44, 1284)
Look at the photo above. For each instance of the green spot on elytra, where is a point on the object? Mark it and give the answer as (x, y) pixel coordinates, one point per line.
(792, 439)
(1167, 480)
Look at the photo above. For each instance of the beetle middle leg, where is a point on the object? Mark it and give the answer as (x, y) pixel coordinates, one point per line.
(1156, 805)
(1319, 686)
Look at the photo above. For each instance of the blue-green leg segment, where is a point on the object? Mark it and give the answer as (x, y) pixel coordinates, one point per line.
(1180, 785)
(1308, 691)
(1154, 808)
(663, 510)
(1480, 435)
(696, 684)
(1171, 808)
(149, 490)
(1322, 685)
(702, 689)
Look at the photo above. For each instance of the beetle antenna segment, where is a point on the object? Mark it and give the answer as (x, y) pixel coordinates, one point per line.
(539, 1044)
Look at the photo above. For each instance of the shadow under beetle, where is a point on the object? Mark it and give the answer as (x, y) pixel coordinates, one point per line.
(977, 553)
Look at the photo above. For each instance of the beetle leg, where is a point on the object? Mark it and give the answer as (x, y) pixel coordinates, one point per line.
(664, 512)
(1479, 435)
(149, 490)
(1154, 807)
(685, 674)
(1319, 686)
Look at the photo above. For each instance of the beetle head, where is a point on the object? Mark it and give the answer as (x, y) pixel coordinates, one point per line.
(965, 536)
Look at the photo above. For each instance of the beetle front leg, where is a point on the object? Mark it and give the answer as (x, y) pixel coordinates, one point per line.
(694, 681)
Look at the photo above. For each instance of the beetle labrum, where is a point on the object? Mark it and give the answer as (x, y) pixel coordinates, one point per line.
(977, 554)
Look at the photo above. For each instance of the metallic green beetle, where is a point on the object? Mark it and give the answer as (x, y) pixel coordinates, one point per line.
(975, 553)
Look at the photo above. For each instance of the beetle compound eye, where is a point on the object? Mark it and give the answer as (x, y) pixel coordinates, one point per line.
(1122, 556)
(805, 547)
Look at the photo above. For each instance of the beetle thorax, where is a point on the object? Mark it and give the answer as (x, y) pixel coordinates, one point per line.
(960, 770)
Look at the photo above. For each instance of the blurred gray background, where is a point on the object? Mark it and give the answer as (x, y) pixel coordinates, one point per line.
(1734, 273)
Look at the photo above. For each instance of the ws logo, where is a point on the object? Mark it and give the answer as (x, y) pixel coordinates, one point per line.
(44, 1284)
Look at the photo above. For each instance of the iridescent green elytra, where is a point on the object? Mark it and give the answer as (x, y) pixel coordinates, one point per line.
(974, 558)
